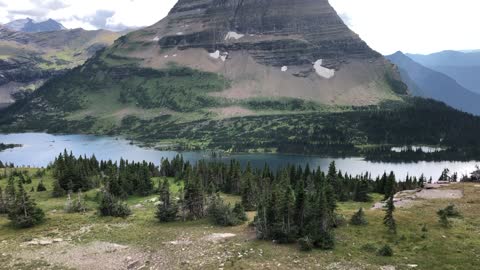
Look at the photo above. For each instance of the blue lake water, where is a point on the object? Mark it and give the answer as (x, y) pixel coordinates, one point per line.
(39, 149)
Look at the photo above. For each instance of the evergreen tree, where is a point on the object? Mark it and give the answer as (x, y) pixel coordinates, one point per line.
(300, 204)
(390, 185)
(23, 212)
(113, 207)
(57, 191)
(358, 218)
(361, 192)
(389, 220)
(248, 190)
(41, 187)
(3, 203)
(167, 210)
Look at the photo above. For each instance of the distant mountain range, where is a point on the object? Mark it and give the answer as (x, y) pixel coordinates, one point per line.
(30, 26)
(27, 60)
(464, 67)
(425, 82)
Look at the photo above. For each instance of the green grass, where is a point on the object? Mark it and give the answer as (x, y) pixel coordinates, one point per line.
(440, 248)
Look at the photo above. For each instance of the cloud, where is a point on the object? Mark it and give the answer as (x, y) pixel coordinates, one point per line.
(50, 5)
(2, 4)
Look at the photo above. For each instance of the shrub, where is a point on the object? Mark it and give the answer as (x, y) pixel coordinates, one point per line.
(326, 240)
(41, 187)
(167, 212)
(113, 207)
(358, 219)
(75, 206)
(57, 191)
(385, 251)
(306, 244)
(222, 214)
(339, 221)
(369, 247)
(447, 212)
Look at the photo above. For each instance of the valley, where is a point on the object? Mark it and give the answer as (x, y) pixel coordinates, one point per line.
(235, 134)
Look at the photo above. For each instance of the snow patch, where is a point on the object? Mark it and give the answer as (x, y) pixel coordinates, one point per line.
(174, 55)
(179, 33)
(215, 54)
(219, 55)
(284, 68)
(323, 71)
(156, 39)
(234, 35)
(166, 56)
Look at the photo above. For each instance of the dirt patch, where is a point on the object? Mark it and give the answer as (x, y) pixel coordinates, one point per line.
(408, 198)
(218, 237)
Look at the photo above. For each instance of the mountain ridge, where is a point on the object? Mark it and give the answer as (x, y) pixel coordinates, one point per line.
(30, 26)
(433, 84)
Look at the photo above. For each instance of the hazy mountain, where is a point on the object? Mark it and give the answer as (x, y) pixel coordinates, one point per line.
(464, 67)
(27, 60)
(426, 82)
(30, 26)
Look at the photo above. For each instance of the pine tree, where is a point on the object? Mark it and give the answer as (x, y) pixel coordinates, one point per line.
(248, 190)
(300, 205)
(167, 210)
(3, 203)
(57, 191)
(23, 212)
(358, 218)
(361, 192)
(389, 220)
(41, 187)
(390, 185)
(112, 206)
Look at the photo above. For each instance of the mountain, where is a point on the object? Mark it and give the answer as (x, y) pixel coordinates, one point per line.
(464, 67)
(27, 60)
(249, 75)
(428, 83)
(30, 26)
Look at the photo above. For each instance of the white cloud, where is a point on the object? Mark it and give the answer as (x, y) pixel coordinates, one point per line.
(416, 26)
(89, 14)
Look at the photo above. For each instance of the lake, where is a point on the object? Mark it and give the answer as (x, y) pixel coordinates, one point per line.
(39, 149)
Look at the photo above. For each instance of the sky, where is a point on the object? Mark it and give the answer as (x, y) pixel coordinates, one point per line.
(413, 26)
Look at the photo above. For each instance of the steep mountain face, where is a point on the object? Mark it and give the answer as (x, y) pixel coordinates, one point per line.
(29, 59)
(428, 83)
(211, 61)
(464, 67)
(30, 26)
(276, 48)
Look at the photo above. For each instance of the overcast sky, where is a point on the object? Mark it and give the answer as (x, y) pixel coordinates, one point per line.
(414, 26)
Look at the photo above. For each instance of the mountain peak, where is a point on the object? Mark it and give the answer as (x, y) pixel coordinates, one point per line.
(30, 26)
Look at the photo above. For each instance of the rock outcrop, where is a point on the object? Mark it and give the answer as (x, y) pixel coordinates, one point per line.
(271, 48)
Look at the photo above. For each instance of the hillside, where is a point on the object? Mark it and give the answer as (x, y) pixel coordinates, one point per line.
(27, 60)
(463, 67)
(432, 84)
(30, 26)
(242, 76)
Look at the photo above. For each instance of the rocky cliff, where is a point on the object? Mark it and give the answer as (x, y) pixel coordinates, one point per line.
(274, 48)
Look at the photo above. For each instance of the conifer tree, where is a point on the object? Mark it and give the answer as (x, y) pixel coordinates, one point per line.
(23, 212)
(361, 192)
(57, 191)
(248, 190)
(41, 187)
(112, 206)
(167, 210)
(389, 220)
(358, 218)
(3, 203)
